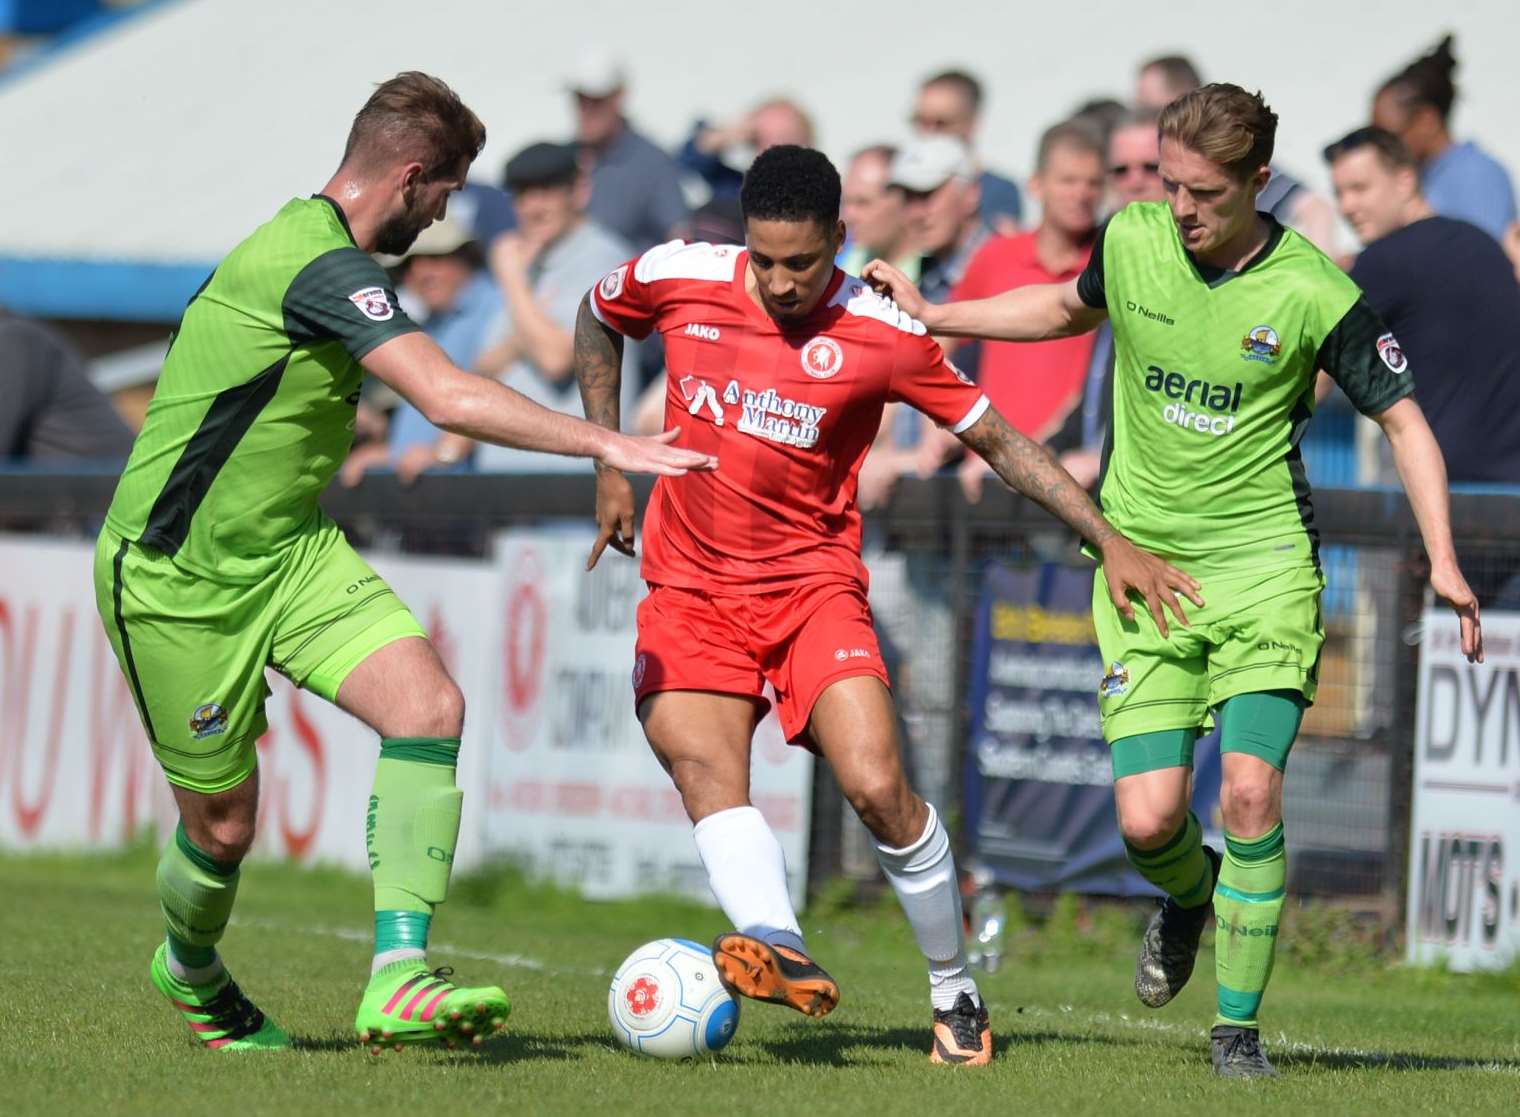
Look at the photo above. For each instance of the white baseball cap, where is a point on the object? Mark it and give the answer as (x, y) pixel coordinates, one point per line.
(926, 163)
(597, 72)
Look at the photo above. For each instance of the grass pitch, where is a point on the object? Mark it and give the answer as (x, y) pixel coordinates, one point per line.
(81, 1030)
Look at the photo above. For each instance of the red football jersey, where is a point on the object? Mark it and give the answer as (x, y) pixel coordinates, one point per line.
(790, 412)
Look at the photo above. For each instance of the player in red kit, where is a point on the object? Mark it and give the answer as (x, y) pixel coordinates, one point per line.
(779, 364)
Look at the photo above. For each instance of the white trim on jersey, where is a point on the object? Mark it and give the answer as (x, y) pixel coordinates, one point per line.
(858, 299)
(596, 310)
(678, 260)
(978, 409)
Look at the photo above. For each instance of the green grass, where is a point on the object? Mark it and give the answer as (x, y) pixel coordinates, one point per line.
(81, 1031)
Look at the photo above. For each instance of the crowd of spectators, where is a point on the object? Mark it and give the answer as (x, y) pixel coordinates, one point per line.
(498, 282)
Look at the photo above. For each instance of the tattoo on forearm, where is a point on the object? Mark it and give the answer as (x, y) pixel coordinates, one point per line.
(1029, 468)
(598, 367)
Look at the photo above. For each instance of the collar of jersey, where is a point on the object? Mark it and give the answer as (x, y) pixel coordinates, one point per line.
(337, 209)
(741, 269)
(1213, 277)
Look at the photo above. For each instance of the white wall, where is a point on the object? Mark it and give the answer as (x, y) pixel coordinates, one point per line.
(173, 136)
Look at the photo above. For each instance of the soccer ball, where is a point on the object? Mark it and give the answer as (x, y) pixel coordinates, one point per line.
(666, 1000)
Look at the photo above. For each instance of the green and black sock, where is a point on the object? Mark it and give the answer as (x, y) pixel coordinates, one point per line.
(196, 892)
(1179, 868)
(1248, 904)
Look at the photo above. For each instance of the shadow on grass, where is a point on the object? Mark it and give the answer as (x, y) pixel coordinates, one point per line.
(831, 1045)
(1386, 1060)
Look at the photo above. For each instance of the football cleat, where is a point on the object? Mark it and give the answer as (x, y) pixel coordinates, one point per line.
(218, 1013)
(406, 1003)
(756, 969)
(1238, 1054)
(1170, 947)
(962, 1034)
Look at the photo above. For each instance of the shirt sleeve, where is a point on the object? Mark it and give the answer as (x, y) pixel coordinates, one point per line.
(1365, 359)
(1090, 284)
(925, 379)
(623, 302)
(344, 296)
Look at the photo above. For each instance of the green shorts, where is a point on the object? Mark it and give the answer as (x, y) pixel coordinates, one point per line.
(1257, 632)
(194, 650)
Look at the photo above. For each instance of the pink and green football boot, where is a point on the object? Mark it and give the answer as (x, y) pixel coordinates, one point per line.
(218, 1013)
(406, 1003)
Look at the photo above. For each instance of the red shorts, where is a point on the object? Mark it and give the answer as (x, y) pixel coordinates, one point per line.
(799, 640)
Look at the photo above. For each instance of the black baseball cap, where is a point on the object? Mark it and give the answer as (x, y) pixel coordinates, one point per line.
(541, 164)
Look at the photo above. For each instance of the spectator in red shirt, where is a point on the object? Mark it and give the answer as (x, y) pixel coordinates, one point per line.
(1038, 387)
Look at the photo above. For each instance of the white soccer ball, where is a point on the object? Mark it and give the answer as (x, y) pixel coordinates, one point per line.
(666, 1000)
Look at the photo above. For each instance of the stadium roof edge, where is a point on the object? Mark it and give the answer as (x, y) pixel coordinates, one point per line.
(122, 291)
(82, 32)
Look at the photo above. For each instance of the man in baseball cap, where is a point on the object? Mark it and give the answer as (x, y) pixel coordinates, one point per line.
(940, 181)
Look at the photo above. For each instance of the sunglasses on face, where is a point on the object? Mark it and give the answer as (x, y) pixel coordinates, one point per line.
(1123, 169)
(926, 123)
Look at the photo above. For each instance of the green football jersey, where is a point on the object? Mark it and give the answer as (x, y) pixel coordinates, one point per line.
(1213, 387)
(254, 409)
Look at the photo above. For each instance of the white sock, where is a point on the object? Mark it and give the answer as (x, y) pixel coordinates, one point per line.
(400, 954)
(747, 873)
(193, 975)
(923, 876)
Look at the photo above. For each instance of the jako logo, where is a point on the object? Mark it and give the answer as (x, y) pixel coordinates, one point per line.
(843, 654)
(704, 333)
(1211, 397)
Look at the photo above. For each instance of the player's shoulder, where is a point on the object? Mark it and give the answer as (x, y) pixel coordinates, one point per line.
(872, 312)
(1141, 219)
(695, 262)
(1312, 269)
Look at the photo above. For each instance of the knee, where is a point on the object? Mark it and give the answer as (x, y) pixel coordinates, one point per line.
(442, 712)
(1248, 806)
(224, 837)
(885, 805)
(1149, 827)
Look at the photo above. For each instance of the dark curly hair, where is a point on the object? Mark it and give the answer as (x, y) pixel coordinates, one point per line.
(791, 183)
(1427, 80)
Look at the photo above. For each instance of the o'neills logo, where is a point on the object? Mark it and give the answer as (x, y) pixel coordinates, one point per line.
(1198, 405)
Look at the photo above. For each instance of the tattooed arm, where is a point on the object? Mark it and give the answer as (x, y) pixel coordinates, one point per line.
(1029, 468)
(598, 368)
(599, 372)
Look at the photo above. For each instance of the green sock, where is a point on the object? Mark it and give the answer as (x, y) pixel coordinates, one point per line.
(1179, 868)
(410, 832)
(1247, 906)
(196, 892)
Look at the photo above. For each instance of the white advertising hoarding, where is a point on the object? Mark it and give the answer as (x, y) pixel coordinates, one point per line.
(1464, 857)
(554, 766)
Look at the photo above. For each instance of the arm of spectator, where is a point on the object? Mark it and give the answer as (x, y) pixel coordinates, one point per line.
(1313, 217)
(495, 359)
(541, 340)
(480, 408)
(1032, 313)
(1029, 468)
(1423, 471)
(649, 411)
(360, 460)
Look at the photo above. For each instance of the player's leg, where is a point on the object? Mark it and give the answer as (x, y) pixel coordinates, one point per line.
(1152, 698)
(193, 654)
(364, 651)
(832, 690)
(855, 726)
(1163, 840)
(1265, 676)
(1256, 733)
(697, 692)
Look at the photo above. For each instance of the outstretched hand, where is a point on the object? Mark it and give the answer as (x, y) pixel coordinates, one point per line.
(888, 280)
(1131, 570)
(614, 515)
(655, 454)
(1448, 583)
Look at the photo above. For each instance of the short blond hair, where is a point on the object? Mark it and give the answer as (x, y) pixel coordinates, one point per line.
(1224, 124)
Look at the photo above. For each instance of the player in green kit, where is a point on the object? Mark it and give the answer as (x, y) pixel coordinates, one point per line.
(1222, 319)
(215, 561)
